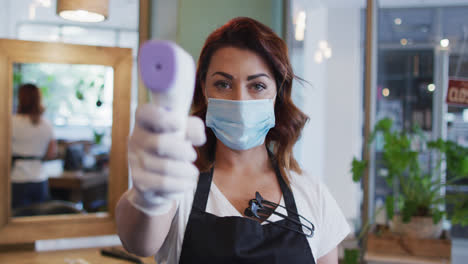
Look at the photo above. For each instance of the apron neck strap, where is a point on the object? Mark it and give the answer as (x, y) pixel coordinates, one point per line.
(204, 184)
(203, 190)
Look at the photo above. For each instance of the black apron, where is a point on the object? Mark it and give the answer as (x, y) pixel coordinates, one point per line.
(18, 157)
(212, 239)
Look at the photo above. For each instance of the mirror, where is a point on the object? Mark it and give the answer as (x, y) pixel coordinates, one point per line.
(86, 94)
(60, 159)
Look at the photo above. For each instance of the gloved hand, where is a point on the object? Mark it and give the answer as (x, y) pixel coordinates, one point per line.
(161, 158)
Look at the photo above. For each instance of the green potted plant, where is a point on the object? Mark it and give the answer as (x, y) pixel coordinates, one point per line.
(415, 209)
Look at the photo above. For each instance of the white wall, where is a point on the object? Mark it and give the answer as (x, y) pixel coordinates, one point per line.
(343, 107)
(313, 137)
(197, 19)
(333, 103)
(4, 19)
(164, 19)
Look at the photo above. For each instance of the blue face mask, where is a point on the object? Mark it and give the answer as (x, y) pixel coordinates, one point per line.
(240, 125)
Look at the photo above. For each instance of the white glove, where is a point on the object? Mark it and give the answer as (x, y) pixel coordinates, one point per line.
(161, 158)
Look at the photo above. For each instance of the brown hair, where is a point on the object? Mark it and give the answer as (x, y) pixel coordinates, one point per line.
(29, 102)
(247, 33)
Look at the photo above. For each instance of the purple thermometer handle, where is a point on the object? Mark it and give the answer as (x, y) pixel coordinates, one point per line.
(157, 63)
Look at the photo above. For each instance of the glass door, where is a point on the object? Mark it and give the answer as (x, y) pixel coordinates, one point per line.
(420, 48)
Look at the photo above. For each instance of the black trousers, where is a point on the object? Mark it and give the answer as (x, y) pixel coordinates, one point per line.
(28, 193)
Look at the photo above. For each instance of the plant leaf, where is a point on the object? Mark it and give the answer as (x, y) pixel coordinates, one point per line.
(357, 169)
(389, 206)
(437, 215)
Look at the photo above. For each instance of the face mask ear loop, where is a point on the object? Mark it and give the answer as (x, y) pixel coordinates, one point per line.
(206, 94)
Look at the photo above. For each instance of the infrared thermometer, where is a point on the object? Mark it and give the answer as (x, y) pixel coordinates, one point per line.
(168, 71)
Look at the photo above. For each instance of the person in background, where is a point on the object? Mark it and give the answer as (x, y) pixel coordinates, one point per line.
(244, 111)
(32, 142)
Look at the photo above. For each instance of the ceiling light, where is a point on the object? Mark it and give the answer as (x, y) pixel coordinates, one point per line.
(327, 53)
(431, 87)
(450, 117)
(444, 43)
(83, 10)
(318, 57)
(403, 41)
(323, 44)
(386, 92)
(300, 26)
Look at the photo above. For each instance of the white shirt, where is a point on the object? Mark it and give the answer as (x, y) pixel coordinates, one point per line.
(32, 141)
(313, 201)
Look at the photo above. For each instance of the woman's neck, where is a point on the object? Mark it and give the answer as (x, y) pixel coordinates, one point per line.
(252, 160)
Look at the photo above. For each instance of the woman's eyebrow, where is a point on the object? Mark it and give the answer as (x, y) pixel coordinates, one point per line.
(229, 76)
(251, 77)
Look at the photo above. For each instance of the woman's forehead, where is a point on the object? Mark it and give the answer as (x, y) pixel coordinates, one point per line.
(237, 62)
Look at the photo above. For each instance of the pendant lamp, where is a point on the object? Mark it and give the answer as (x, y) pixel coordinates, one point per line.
(83, 10)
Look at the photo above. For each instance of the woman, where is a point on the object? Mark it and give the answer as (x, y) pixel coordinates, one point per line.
(243, 95)
(32, 142)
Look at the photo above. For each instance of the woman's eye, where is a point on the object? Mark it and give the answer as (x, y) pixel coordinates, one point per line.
(222, 84)
(259, 87)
